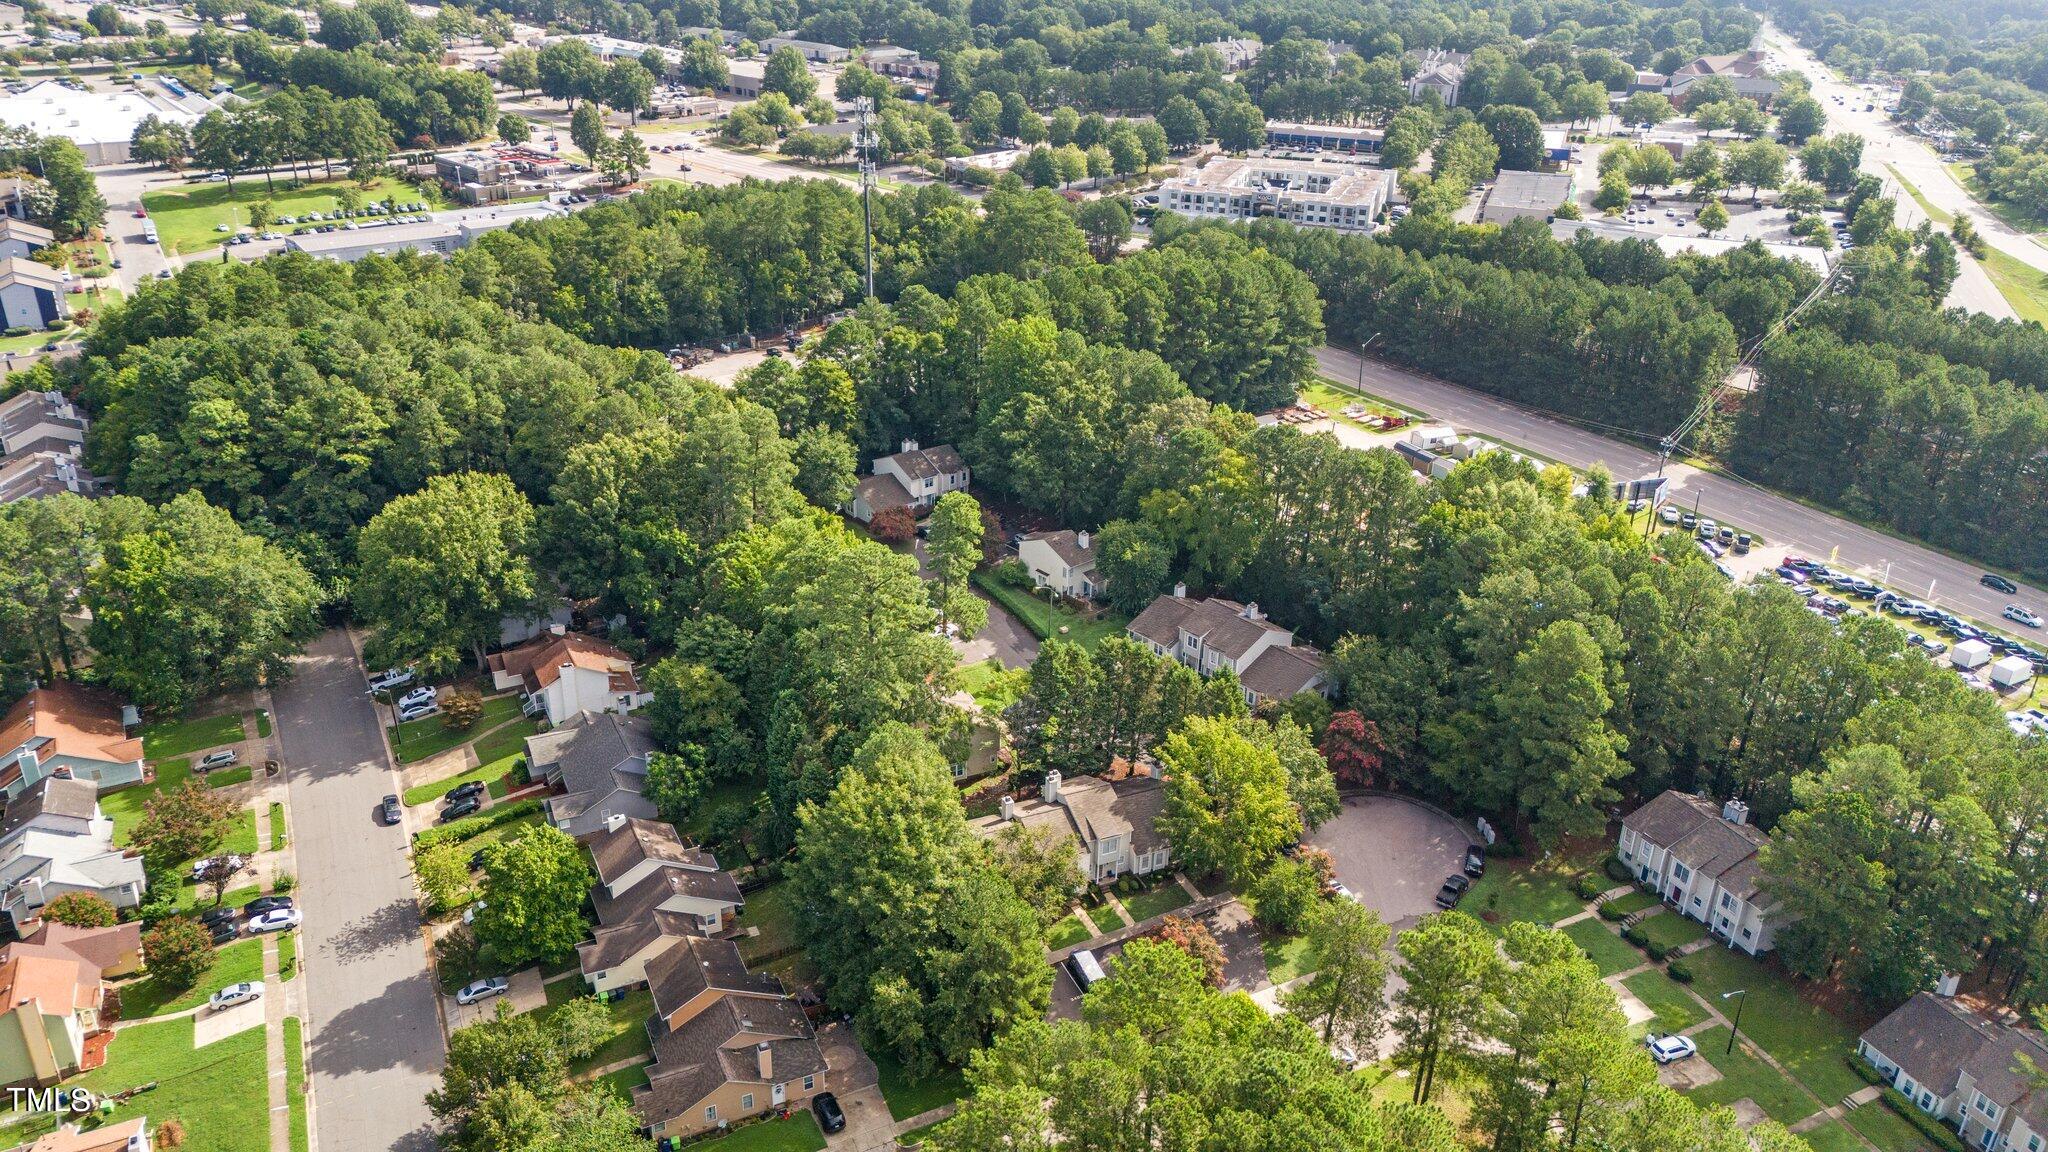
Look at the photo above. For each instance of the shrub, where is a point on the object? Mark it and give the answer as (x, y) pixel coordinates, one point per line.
(1588, 887)
(469, 826)
(1678, 971)
(1285, 895)
(178, 952)
(1863, 1068)
(1636, 937)
(1616, 870)
(893, 526)
(80, 910)
(18, 330)
(462, 709)
(1610, 912)
(170, 1134)
(1013, 573)
(1657, 951)
(283, 883)
(1193, 938)
(1941, 1134)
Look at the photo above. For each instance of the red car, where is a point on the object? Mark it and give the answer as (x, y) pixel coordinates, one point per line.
(141, 214)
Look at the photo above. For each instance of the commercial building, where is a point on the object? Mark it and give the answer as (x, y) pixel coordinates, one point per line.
(1327, 137)
(445, 233)
(1703, 863)
(1517, 194)
(994, 163)
(31, 294)
(743, 80)
(814, 51)
(1744, 71)
(1305, 192)
(900, 64)
(1213, 635)
(474, 177)
(102, 124)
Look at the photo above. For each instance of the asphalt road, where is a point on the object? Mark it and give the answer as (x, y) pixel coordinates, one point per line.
(1784, 525)
(376, 1041)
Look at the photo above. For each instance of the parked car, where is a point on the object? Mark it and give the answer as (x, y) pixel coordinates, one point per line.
(391, 678)
(465, 791)
(275, 921)
(1668, 514)
(213, 917)
(390, 812)
(1475, 860)
(212, 760)
(418, 711)
(424, 694)
(200, 866)
(1666, 1049)
(1994, 580)
(830, 1118)
(234, 994)
(225, 932)
(1452, 891)
(2020, 615)
(480, 990)
(467, 806)
(262, 904)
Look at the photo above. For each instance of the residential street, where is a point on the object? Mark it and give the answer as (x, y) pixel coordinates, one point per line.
(376, 1047)
(1784, 525)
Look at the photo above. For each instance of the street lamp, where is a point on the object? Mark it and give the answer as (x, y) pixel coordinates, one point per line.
(1735, 1029)
(1362, 350)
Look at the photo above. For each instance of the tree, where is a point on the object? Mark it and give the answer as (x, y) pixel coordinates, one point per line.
(586, 131)
(443, 874)
(461, 708)
(181, 824)
(1286, 897)
(1346, 998)
(178, 952)
(1041, 868)
(1583, 103)
(1646, 108)
(533, 892)
(567, 70)
(80, 910)
(1800, 119)
(693, 703)
(1518, 134)
(1713, 218)
(1227, 805)
(492, 1065)
(1651, 167)
(629, 87)
(1183, 123)
(1447, 964)
(787, 72)
(676, 782)
(1107, 223)
(1353, 749)
(1759, 164)
(702, 64)
(580, 1027)
(437, 570)
(1239, 126)
(1194, 938)
(893, 525)
(953, 550)
(1832, 161)
(1134, 563)
(626, 157)
(519, 68)
(513, 128)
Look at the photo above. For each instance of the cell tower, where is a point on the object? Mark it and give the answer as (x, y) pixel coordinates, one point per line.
(864, 147)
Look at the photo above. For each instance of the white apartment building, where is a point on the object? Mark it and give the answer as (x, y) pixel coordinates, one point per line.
(1703, 863)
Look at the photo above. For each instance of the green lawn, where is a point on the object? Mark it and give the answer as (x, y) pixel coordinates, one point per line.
(124, 807)
(1609, 952)
(287, 954)
(1165, 898)
(993, 687)
(509, 830)
(506, 740)
(263, 723)
(216, 1092)
(415, 740)
(295, 1082)
(742, 794)
(1106, 918)
(186, 217)
(1633, 902)
(1670, 930)
(1516, 890)
(190, 898)
(1064, 621)
(1285, 956)
(242, 960)
(1806, 1040)
(184, 737)
(1833, 1136)
(1675, 1010)
(229, 777)
(491, 773)
(624, 1080)
(1887, 1129)
(1742, 1074)
(799, 1133)
(1335, 398)
(1067, 933)
(277, 836)
(773, 911)
(2023, 287)
(628, 1036)
(907, 1099)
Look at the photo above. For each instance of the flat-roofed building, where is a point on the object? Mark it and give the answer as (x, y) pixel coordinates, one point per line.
(817, 52)
(102, 124)
(1305, 192)
(1518, 194)
(1327, 137)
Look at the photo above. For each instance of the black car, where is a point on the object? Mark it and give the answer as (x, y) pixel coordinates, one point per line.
(461, 808)
(225, 933)
(390, 811)
(1475, 861)
(1994, 580)
(465, 791)
(1452, 891)
(476, 860)
(214, 917)
(262, 904)
(830, 1118)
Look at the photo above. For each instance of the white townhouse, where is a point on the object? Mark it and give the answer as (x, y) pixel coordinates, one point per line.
(1703, 863)
(1956, 1061)
(914, 478)
(1063, 561)
(1210, 635)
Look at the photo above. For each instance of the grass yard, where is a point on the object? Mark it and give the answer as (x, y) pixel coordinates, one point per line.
(124, 807)
(1167, 897)
(242, 960)
(1742, 1074)
(505, 740)
(263, 723)
(799, 1133)
(1886, 1129)
(509, 830)
(628, 1036)
(295, 1082)
(277, 837)
(1106, 918)
(1610, 953)
(624, 1080)
(1389, 1085)
(492, 774)
(1805, 1039)
(415, 740)
(1334, 398)
(184, 737)
(993, 687)
(1833, 1136)
(1285, 957)
(229, 777)
(1067, 933)
(907, 1099)
(1066, 623)
(1537, 892)
(741, 794)
(215, 1091)
(287, 954)
(1675, 1010)
(1670, 930)
(773, 911)
(186, 218)
(1633, 902)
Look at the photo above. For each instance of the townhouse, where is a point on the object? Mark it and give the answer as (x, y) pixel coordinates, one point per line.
(1114, 822)
(1703, 862)
(1215, 634)
(914, 478)
(1957, 1061)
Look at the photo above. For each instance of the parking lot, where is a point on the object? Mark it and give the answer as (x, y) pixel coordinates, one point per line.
(1393, 854)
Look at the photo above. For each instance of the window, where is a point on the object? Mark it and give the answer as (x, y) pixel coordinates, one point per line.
(747, 1102)
(1727, 901)
(810, 1082)
(1985, 1105)
(1745, 933)
(1679, 872)
(711, 1114)
(1926, 1101)
(2033, 1144)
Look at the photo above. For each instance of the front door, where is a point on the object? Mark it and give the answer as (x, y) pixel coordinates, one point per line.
(778, 1095)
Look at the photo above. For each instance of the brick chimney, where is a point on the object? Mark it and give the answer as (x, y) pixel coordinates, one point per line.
(764, 1058)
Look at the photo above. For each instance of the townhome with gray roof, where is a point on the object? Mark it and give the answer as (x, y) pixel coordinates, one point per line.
(652, 891)
(1703, 863)
(1214, 634)
(1114, 823)
(597, 762)
(1956, 1059)
(738, 1057)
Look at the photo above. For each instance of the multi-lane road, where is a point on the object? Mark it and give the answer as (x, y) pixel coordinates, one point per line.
(1783, 524)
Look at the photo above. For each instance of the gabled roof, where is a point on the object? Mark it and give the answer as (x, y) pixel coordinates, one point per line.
(14, 229)
(1282, 673)
(881, 491)
(103, 948)
(1225, 626)
(596, 754)
(1093, 809)
(694, 963)
(1066, 544)
(56, 984)
(75, 721)
(112, 1138)
(58, 796)
(614, 944)
(643, 898)
(638, 841)
(926, 463)
(539, 662)
(716, 1047)
(1161, 620)
(1938, 1039)
(1692, 830)
(16, 270)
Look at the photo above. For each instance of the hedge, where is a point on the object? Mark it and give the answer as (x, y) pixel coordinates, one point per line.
(469, 826)
(1678, 971)
(1610, 912)
(1617, 871)
(1944, 1137)
(1864, 1068)
(1636, 936)
(1588, 887)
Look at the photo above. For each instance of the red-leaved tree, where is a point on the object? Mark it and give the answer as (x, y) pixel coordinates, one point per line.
(893, 525)
(1353, 747)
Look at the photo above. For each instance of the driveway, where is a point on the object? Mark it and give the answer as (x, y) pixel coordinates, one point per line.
(1393, 855)
(375, 1037)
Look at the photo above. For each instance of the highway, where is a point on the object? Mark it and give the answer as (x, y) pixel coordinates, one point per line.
(1782, 524)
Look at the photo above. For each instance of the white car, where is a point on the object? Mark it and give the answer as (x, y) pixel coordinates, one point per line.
(1669, 514)
(212, 760)
(234, 994)
(391, 678)
(418, 711)
(2020, 615)
(1666, 1049)
(424, 694)
(276, 920)
(199, 867)
(480, 990)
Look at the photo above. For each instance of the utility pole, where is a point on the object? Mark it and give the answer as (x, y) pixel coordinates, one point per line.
(864, 144)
